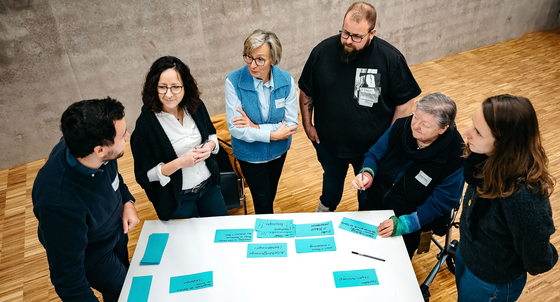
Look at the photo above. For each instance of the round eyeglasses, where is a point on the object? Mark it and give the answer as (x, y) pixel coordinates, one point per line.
(249, 59)
(357, 39)
(174, 89)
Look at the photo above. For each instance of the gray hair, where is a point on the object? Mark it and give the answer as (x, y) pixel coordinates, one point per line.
(441, 107)
(258, 38)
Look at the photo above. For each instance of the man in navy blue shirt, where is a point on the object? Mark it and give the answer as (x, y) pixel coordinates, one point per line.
(84, 208)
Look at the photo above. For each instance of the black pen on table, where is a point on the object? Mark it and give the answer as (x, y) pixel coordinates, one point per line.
(368, 256)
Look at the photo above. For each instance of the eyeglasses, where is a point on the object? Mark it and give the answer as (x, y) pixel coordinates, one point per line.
(174, 89)
(259, 61)
(355, 38)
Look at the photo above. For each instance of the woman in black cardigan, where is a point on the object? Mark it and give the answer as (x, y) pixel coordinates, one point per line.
(506, 220)
(173, 143)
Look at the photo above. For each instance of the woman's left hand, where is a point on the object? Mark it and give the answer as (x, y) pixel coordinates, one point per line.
(243, 121)
(202, 153)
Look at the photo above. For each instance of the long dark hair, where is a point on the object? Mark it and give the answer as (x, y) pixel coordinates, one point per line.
(150, 95)
(518, 157)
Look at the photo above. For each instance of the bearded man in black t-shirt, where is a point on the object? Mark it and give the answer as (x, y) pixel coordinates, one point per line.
(358, 85)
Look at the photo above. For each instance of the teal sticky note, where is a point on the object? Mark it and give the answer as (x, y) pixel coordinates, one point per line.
(267, 250)
(265, 234)
(364, 277)
(191, 282)
(358, 227)
(314, 229)
(154, 249)
(274, 225)
(234, 235)
(140, 289)
(315, 245)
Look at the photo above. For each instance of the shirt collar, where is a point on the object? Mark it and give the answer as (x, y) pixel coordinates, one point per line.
(269, 84)
(73, 162)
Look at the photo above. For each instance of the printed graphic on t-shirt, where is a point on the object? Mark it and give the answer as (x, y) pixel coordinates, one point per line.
(367, 86)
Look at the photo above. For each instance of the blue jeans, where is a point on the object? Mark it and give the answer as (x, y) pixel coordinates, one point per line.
(206, 203)
(472, 289)
(334, 173)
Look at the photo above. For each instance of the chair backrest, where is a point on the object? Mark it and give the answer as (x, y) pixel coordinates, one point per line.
(224, 156)
(224, 162)
(232, 181)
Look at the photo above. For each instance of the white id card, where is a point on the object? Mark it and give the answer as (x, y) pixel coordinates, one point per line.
(423, 178)
(116, 182)
(280, 103)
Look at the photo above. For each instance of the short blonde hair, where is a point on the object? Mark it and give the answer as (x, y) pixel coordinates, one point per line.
(258, 38)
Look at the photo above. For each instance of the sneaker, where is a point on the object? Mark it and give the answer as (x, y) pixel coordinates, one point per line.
(321, 208)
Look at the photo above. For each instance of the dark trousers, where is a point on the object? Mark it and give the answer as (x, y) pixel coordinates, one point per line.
(334, 173)
(206, 203)
(110, 271)
(263, 182)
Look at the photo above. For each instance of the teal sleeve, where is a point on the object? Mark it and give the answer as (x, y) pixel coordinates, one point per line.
(405, 224)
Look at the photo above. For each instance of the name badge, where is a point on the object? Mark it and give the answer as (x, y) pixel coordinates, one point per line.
(116, 182)
(423, 178)
(280, 103)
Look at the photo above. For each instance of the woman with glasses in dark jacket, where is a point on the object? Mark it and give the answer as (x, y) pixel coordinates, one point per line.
(173, 143)
(262, 115)
(416, 170)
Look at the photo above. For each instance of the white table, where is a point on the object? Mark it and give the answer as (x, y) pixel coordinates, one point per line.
(298, 277)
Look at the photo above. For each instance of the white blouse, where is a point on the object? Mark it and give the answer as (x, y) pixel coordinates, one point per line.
(183, 139)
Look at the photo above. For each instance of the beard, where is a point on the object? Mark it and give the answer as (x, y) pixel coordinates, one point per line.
(112, 156)
(347, 56)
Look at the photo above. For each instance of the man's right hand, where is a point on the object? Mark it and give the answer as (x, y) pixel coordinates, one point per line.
(311, 133)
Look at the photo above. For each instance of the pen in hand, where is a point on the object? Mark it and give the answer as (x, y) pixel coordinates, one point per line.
(356, 253)
(362, 187)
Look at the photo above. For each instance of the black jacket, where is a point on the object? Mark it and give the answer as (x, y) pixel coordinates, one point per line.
(436, 162)
(151, 146)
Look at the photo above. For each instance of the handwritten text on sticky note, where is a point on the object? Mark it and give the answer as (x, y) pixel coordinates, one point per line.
(190, 282)
(358, 227)
(315, 245)
(234, 235)
(274, 225)
(314, 229)
(266, 250)
(364, 277)
(265, 234)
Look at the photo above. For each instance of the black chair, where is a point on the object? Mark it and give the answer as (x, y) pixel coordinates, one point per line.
(231, 184)
(446, 254)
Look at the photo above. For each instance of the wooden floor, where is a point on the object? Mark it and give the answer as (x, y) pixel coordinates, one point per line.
(529, 66)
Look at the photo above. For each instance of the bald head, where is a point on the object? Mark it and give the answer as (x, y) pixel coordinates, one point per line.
(361, 11)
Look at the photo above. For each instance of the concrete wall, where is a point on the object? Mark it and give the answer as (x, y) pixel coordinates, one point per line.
(53, 53)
